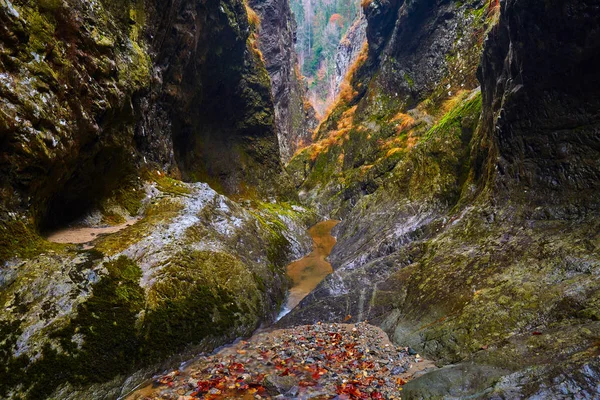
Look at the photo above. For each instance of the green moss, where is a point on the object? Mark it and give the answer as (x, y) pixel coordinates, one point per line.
(20, 239)
(158, 212)
(172, 186)
(409, 80)
(41, 29)
(278, 245)
(130, 198)
(109, 344)
(197, 295)
(452, 122)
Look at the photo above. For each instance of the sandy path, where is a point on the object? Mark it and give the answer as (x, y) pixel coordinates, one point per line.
(79, 235)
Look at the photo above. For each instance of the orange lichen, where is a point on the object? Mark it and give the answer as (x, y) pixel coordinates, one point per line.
(452, 102)
(335, 136)
(347, 92)
(404, 122)
(253, 18)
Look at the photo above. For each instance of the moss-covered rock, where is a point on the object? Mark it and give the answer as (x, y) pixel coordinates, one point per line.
(197, 271)
(469, 248)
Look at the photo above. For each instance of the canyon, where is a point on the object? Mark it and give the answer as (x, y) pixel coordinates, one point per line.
(460, 155)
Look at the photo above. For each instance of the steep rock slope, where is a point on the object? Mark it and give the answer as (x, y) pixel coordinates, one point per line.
(348, 50)
(98, 101)
(294, 116)
(413, 72)
(196, 272)
(211, 94)
(92, 93)
(473, 240)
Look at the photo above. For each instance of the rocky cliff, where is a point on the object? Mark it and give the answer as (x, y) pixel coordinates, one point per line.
(211, 94)
(349, 49)
(100, 101)
(294, 116)
(92, 94)
(461, 234)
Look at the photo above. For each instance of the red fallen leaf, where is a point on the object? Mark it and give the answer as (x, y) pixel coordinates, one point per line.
(203, 386)
(367, 380)
(351, 390)
(285, 373)
(366, 365)
(376, 395)
(237, 367)
(305, 383)
(260, 388)
(315, 376)
(536, 333)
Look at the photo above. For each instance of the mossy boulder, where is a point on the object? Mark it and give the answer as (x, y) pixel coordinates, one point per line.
(197, 271)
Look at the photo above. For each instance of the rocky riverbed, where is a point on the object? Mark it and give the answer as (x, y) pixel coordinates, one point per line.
(321, 361)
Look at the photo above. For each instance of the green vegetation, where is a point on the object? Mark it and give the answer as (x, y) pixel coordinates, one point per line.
(20, 239)
(109, 344)
(452, 122)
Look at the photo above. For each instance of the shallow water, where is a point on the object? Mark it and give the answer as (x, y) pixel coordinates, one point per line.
(309, 271)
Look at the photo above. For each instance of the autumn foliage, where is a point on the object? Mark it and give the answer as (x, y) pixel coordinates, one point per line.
(336, 19)
(253, 17)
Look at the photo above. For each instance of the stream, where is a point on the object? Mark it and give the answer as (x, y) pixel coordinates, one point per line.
(305, 273)
(310, 270)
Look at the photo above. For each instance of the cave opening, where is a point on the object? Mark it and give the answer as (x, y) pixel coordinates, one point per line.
(83, 189)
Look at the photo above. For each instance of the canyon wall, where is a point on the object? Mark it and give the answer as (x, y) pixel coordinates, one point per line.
(102, 105)
(469, 216)
(294, 116)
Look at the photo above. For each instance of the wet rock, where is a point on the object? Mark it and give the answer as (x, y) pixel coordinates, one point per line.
(282, 384)
(398, 371)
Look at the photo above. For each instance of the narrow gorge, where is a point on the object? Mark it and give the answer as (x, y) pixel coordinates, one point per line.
(316, 199)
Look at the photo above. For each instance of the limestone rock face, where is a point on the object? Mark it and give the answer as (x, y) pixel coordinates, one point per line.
(294, 116)
(70, 75)
(349, 49)
(540, 122)
(92, 94)
(469, 218)
(211, 95)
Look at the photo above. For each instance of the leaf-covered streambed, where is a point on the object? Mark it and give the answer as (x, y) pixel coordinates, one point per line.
(321, 361)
